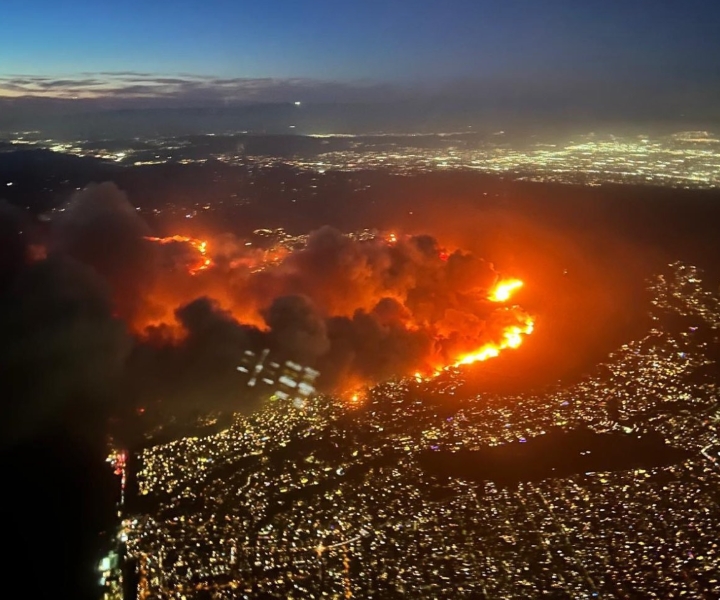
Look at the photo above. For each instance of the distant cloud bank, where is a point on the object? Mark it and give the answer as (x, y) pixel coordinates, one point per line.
(540, 99)
(135, 89)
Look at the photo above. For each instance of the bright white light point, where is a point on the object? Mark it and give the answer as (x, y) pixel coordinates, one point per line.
(298, 103)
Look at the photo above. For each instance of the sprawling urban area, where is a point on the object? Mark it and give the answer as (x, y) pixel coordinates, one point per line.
(689, 159)
(607, 487)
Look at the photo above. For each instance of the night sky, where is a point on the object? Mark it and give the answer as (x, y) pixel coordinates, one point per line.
(330, 50)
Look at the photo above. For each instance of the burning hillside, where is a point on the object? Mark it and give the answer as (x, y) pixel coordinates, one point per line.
(358, 308)
(425, 307)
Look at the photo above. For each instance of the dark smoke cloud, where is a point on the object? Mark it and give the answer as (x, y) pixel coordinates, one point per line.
(59, 344)
(12, 242)
(298, 330)
(373, 346)
(331, 303)
(200, 371)
(363, 311)
(358, 311)
(101, 228)
(341, 275)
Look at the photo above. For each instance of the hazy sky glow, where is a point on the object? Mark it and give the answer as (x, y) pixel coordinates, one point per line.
(330, 50)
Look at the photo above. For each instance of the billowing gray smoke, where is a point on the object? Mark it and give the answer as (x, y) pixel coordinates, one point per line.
(93, 309)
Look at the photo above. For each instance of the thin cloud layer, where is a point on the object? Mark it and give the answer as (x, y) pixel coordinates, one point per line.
(129, 88)
(621, 97)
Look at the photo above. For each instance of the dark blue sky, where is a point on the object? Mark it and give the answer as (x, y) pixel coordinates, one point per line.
(405, 42)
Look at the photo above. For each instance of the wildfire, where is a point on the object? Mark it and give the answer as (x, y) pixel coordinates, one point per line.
(471, 330)
(512, 336)
(504, 289)
(354, 397)
(203, 263)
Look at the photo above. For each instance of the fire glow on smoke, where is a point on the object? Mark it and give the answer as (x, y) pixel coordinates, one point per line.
(174, 316)
(203, 260)
(428, 308)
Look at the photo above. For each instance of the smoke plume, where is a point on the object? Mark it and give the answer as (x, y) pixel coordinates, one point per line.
(100, 303)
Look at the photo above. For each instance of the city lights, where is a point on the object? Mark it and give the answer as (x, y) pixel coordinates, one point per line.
(354, 493)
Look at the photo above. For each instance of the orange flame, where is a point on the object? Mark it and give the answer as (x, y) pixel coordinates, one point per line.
(504, 289)
(512, 338)
(354, 397)
(204, 261)
(512, 335)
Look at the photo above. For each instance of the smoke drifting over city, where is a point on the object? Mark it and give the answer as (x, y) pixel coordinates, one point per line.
(169, 318)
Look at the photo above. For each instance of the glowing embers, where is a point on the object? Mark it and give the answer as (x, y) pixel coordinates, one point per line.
(203, 262)
(354, 395)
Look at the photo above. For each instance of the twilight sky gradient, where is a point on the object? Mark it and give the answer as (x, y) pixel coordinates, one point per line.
(322, 50)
